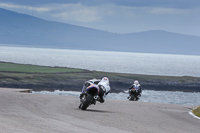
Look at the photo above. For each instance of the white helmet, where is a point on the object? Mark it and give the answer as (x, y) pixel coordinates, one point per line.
(136, 82)
(105, 79)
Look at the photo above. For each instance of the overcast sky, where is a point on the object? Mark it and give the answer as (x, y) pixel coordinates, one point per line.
(118, 16)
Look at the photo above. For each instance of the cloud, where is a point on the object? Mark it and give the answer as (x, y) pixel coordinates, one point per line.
(65, 12)
(77, 12)
(121, 16)
(81, 13)
(13, 6)
(129, 3)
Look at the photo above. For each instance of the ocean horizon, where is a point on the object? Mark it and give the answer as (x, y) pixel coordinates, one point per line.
(107, 61)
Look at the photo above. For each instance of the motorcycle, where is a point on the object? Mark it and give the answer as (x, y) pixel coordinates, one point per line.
(89, 96)
(133, 95)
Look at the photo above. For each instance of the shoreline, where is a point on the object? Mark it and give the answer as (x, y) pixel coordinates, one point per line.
(116, 86)
(46, 78)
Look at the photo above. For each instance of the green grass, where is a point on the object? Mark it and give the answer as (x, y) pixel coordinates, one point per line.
(20, 75)
(11, 67)
(197, 111)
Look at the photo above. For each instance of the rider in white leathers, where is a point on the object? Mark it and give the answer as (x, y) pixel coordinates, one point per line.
(103, 84)
(104, 88)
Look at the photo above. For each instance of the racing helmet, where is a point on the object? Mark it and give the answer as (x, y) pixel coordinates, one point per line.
(105, 79)
(136, 82)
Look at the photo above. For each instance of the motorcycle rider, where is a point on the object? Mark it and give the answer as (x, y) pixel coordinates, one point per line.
(103, 85)
(137, 87)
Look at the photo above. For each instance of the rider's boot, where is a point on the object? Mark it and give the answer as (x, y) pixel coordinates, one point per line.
(101, 100)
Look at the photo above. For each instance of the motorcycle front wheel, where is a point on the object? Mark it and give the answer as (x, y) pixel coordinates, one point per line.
(87, 102)
(133, 98)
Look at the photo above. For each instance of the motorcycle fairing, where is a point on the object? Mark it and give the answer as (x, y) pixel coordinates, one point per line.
(93, 88)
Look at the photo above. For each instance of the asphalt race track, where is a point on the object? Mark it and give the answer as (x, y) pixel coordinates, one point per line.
(38, 113)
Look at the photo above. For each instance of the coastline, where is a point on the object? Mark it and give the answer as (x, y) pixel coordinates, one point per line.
(41, 78)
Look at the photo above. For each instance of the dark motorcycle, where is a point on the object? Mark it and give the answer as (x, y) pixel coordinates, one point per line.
(133, 95)
(89, 96)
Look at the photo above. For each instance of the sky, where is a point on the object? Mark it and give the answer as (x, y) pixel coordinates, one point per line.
(117, 16)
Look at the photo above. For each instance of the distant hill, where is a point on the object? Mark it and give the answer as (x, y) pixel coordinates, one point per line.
(21, 29)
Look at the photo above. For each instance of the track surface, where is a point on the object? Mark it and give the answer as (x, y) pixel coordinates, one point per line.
(37, 113)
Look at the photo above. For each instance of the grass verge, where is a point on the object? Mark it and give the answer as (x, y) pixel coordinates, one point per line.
(42, 77)
(12, 67)
(197, 111)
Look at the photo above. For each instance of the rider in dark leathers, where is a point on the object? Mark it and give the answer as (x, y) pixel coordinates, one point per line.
(137, 87)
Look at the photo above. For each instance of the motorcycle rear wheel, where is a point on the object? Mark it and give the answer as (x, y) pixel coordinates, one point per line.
(87, 102)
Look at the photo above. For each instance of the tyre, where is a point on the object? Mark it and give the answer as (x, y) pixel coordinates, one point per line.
(80, 106)
(87, 102)
(132, 98)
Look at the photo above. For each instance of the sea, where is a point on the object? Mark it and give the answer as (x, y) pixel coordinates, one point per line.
(109, 61)
(168, 97)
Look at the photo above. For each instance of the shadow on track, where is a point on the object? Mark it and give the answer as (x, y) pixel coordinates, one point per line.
(98, 111)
